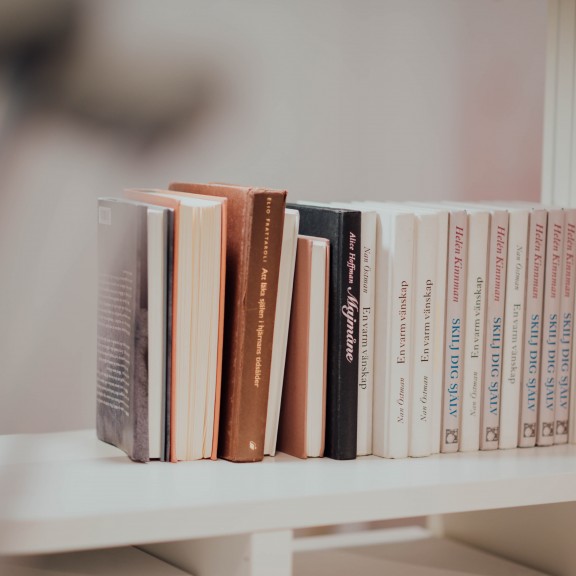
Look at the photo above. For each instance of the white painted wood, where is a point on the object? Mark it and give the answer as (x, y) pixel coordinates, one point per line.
(548, 141)
(559, 165)
(92, 496)
(257, 554)
(539, 536)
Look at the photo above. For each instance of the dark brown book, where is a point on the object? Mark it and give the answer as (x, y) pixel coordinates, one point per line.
(255, 225)
(302, 424)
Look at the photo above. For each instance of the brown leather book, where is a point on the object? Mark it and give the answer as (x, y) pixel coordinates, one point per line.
(255, 225)
(302, 424)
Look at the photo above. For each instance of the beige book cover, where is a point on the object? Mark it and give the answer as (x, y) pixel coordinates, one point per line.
(301, 359)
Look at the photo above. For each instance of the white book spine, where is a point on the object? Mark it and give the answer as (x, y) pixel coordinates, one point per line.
(366, 364)
(392, 367)
(476, 287)
(566, 329)
(550, 328)
(495, 308)
(424, 310)
(281, 326)
(514, 328)
(439, 329)
(384, 234)
(454, 331)
(532, 328)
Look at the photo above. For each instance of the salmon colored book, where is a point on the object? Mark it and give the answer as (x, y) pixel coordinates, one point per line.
(182, 366)
(255, 229)
(302, 425)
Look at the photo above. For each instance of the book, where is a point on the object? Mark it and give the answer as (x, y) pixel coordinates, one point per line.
(550, 328)
(531, 362)
(366, 330)
(343, 229)
(393, 323)
(197, 319)
(457, 264)
(566, 330)
(281, 327)
(514, 316)
(303, 408)
(475, 328)
(132, 300)
(493, 344)
(254, 243)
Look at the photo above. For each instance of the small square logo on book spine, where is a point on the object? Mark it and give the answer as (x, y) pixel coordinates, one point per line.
(561, 427)
(547, 428)
(529, 431)
(492, 433)
(451, 436)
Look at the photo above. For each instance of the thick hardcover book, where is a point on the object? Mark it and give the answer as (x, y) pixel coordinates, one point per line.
(550, 328)
(122, 336)
(281, 327)
(531, 362)
(566, 330)
(254, 243)
(343, 229)
(303, 409)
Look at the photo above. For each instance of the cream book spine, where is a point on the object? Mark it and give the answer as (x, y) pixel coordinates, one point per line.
(454, 330)
(424, 320)
(475, 327)
(566, 330)
(515, 305)
(532, 328)
(495, 308)
(366, 364)
(395, 241)
(439, 328)
(550, 328)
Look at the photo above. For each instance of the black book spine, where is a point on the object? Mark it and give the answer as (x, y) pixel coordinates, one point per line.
(342, 229)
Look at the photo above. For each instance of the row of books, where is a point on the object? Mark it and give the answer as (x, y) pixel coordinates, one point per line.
(230, 324)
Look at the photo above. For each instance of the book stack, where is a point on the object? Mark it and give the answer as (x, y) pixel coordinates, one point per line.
(233, 325)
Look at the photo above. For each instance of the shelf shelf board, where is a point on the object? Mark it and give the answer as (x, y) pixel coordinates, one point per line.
(68, 491)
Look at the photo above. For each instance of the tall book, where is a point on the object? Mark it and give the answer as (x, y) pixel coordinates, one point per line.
(254, 243)
(550, 327)
(531, 362)
(343, 229)
(132, 302)
(281, 327)
(514, 316)
(197, 319)
(367, 299)
(458, 240)
(566, 330)
(393, 330)
(303, 409)
(475, 327)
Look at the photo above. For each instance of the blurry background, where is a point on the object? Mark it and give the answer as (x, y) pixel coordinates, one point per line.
(330, 99)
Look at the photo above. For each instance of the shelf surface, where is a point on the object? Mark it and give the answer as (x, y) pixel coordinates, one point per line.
(68, 491)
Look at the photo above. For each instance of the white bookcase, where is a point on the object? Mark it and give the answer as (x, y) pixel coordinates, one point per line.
(67, 491)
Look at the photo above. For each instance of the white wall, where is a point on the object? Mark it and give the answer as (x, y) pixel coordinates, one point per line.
(330, 99)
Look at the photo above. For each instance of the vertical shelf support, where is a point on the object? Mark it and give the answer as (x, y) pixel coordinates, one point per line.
(559, 138)
(257, 554)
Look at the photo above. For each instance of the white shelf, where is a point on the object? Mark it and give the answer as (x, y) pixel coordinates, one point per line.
(69, 491)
